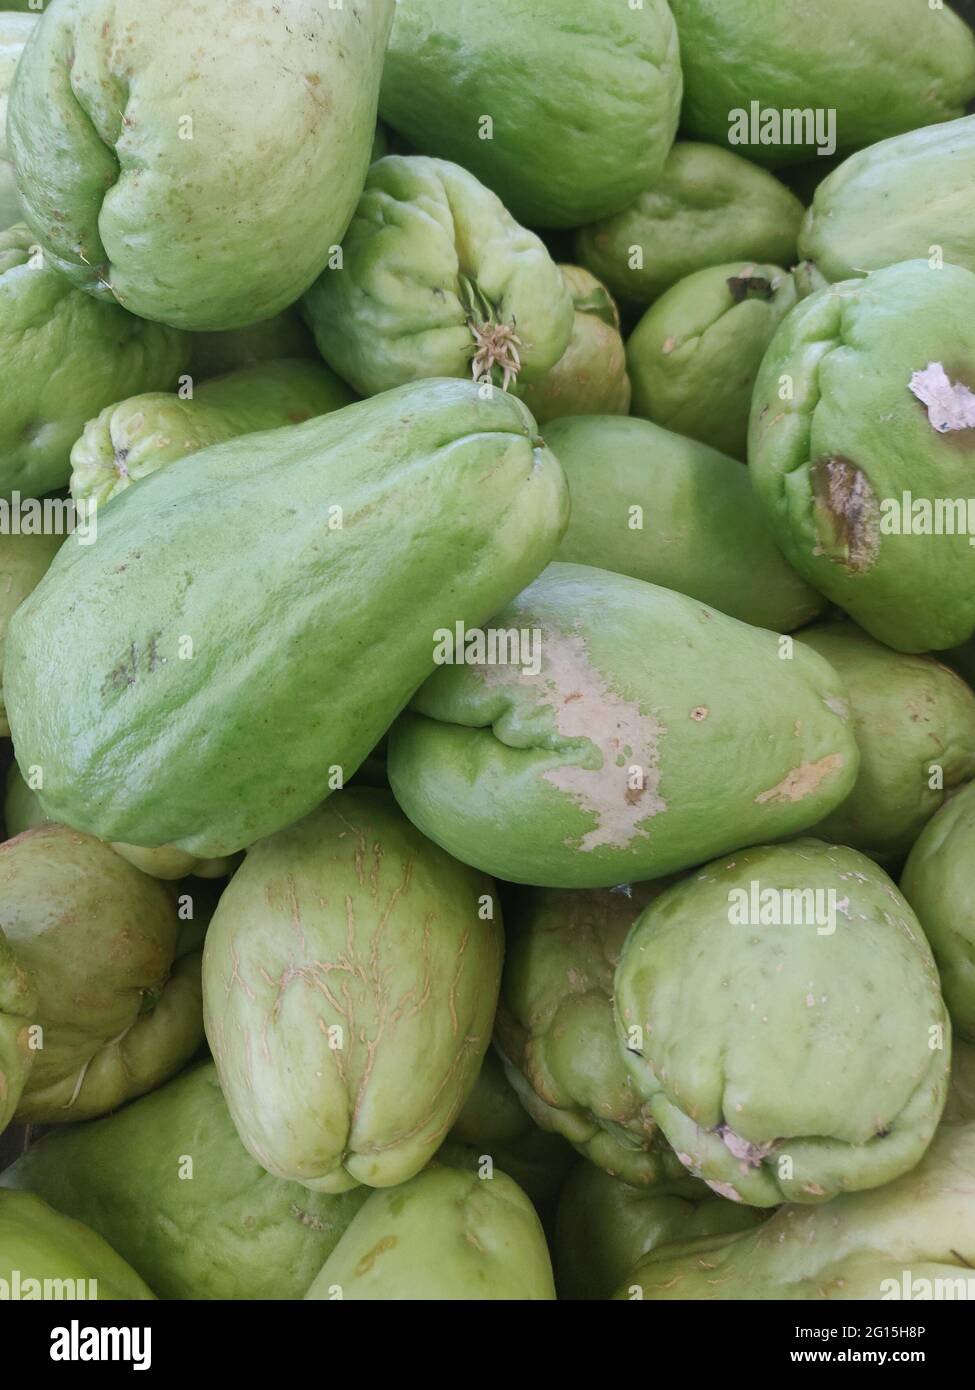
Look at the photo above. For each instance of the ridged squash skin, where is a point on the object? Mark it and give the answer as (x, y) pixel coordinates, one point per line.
(163, 168)
(672, 511)
(400, 515)
(231, 1231)
(63, 358)
(655, 730)
(790, 1049)
(24, 560)
(939, 883)
(350, 979)
(896, 201)
(914, 723)
(709, 206)
(445, 1236)
(15, 30)
(913, 1238)
(838, 439)
(584, 100)
(134, 438)
(882, 66)
(116, 971)
(37, 1243)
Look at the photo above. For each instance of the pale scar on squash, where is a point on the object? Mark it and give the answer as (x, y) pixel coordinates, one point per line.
(802, 781)
(586, 709)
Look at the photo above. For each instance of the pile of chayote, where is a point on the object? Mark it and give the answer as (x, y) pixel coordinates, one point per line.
(487, 601)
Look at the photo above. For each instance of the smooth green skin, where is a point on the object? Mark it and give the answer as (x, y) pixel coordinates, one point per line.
(590, 376)
(939, 883)
(398, 308)
(15, 30)
(118, 984)
(694, 356)
(736, 745)
(18, 1010)
(222, 1228)
(604, 1226)
(433, 482)
(910, 715)
(584, 102)
(445, 1236)
(24, 560)
(226, 225)
(215, 354)
(350, 921)
(883, 66)
(134, 438)
(896, 201)
(36, 1242)
(702, 531)
(853, 435)
(708, 206)
(555, 1024)
(921, 1225)
(63, 358)
(783, 1062)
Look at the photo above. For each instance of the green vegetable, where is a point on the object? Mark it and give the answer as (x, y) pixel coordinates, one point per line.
(44, 1255)
(15, 30)
(18, 1010)
(24, 560)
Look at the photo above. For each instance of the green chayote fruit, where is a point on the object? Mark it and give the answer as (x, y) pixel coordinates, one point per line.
(903, 199)
(15, 30)
(604, 1227)
(914, 723)
(399, 515)
(446, 1236)
(672, 511)
(284, 335)
(780, 1010)
(44, 1255)
(437, 279)
(913, 1238)
(18, 1011)
(590, 376)
(694, 356)
(565, 110)
(117, 975)
(635, 731)
(24, 560)
(861, 448)
(555, 1026)
(708, 207)
(63, 357)
(939, 883)
(134, 438)
(350, 978)
(161, 167)
(869, 70)
(167, 1183)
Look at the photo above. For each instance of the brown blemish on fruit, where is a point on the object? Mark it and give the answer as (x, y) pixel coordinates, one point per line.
(699, 713)
(747, 286)
(802, 781)
(847, 514)
(380, 1248)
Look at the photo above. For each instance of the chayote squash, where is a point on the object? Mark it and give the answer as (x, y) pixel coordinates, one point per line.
(781, 1013)
(18, 1011)
(445, 1236)
(284, 335)
(15, 30)
(24, 560)
(708, 207)
(163, 167)
(861, 447)
(672, 511)
(134, 438)
(63, 358)
(437, 279)
(903, 199)
(218, 694)
(567, 110)
(116, 971)
(44, 1255)
(694, 356)
(868, 70)
(636, 733)
(167, 1183)
(350, 978)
